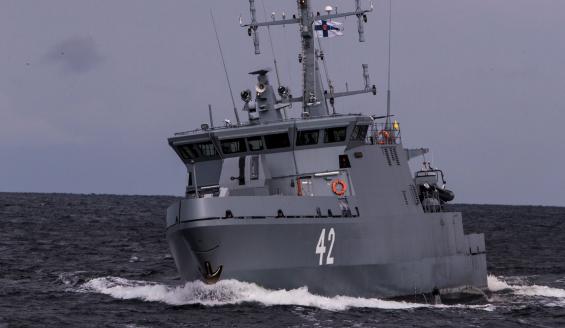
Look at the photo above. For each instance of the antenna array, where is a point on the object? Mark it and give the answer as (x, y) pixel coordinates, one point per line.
(313, 96)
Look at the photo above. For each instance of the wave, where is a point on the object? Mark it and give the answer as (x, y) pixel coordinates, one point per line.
(227, 292)
(496, 284)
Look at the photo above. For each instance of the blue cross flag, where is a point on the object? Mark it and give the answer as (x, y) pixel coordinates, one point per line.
(328, 29)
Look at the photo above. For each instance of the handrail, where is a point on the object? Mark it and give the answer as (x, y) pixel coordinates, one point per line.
(383, 134)
(246, 124)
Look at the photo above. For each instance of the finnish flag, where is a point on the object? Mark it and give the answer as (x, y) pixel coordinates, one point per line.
(328, 29)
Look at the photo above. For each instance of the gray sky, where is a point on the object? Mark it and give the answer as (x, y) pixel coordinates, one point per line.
(90, 90)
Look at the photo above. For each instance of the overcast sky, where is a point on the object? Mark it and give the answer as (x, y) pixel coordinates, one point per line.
(90, 90)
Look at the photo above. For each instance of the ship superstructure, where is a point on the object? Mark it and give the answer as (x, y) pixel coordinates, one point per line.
(323, 200)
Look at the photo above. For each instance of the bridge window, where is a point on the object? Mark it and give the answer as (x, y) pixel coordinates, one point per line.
(207, 149)
(359, 133)
(231, 146)
(195, 151)
(255, 143)
(304, 138)
(187, 151)
(335, 134)
(279, 140)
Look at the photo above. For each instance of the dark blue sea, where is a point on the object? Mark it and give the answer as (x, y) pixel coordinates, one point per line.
(102, 261)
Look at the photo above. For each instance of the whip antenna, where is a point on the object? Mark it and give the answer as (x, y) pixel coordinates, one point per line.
(329, 81)
(388, 79)
(273, 51)
(288, 67)
(225, 69)
(271, 42)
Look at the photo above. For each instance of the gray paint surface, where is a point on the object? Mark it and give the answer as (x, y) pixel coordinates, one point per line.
(386, 246)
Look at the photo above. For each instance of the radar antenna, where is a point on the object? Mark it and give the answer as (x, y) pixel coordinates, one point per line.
(313, 94)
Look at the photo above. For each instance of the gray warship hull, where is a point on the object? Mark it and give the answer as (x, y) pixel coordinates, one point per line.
(372, 257)
(381, 244)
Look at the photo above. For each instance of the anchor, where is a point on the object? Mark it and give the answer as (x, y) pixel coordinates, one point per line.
(211, 276)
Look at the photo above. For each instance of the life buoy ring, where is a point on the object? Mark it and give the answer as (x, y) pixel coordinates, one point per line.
(342, 187)
(383, 137)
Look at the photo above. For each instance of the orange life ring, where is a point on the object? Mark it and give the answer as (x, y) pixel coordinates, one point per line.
(342, 188)
(385, 137)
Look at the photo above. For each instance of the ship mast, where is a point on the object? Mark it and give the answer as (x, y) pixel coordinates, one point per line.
(313, 102)
(313, 95)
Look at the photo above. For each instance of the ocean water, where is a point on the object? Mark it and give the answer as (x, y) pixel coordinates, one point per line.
(102, 261)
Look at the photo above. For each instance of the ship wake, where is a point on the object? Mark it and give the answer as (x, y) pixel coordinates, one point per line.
(229, 292)
(498, 284)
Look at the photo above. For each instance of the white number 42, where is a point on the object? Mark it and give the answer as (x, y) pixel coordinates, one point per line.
(321, 247)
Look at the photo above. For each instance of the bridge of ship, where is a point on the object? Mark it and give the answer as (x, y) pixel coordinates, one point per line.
(295, 157)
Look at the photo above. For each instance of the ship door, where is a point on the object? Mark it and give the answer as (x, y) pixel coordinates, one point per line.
(241, 177)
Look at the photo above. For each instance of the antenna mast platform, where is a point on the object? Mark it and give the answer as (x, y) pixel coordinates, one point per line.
(313, 94)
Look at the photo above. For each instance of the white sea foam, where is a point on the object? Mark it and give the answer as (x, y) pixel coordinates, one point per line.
(236, 292)
(497, 284)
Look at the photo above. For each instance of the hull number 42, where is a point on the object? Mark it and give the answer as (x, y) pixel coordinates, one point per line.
(321, 246)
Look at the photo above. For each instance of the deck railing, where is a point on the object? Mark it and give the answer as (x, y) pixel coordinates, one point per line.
(228, 125)
(384, 134)
(431, 202)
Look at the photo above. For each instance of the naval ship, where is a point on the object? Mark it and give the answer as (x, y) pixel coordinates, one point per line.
(324, 200)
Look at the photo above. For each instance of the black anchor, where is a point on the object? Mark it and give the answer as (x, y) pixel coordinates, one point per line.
(211, 276)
